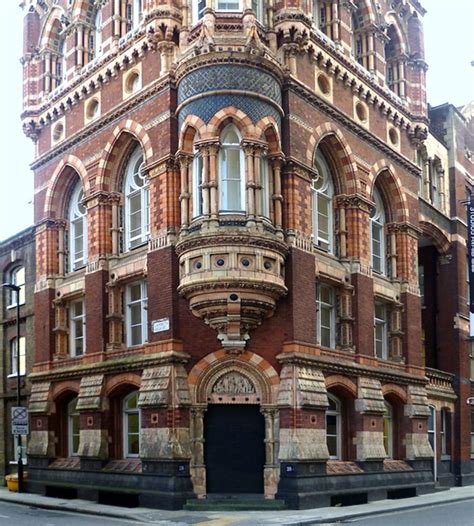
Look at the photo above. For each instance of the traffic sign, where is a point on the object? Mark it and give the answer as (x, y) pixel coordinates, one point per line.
(19, 420)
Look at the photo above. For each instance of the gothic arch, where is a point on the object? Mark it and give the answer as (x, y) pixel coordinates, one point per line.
(190, 127)
(61, 182)
(212, 368)
(344, 384)
(392, 20)
(267, 129)
(123, 134)
(116, 383)
(233, 115)
(396, 391)
(385, 176)
(52, 27)
(340, 152)
(61, 389)
(367, 10)
(440, 240)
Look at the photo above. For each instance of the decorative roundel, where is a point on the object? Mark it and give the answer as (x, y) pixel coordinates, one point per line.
(233, 297)
(198, 265)
(267, 265)
(220, 262)
(245, 262)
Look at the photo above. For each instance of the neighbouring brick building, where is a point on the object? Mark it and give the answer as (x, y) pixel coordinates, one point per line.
(17, 266)
(234, 201)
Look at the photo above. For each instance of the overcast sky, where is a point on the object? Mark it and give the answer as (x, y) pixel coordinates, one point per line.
(449, 43)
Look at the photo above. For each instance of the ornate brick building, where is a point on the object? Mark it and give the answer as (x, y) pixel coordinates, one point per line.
(230, 198)
(17, 266)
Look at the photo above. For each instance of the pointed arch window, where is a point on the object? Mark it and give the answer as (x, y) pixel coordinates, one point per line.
(73, 427)
(388, 430)
(137, 201)
(131, 426)
(231, 171)
(77, 229)
(333, 428)
(377, 230)
(322, 190)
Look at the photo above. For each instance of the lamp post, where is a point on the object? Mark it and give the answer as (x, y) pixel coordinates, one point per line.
(17, 289)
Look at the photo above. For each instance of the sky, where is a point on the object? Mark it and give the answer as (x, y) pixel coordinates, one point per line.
(449, 48)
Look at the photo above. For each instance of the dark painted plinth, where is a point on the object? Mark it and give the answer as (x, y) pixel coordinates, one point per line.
(301, 487)
(162, 484)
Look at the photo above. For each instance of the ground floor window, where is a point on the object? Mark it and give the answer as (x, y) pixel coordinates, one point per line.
(131, 426)
(333, 427)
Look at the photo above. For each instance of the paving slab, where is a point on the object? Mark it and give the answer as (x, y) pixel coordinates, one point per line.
(239, 518)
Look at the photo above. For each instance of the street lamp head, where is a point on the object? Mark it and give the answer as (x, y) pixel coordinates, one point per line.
(11, 286)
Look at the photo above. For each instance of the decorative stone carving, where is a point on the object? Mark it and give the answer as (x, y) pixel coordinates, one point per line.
(90, 393)
(161, 385)
(39, 398)
(308, 383)
(303, 444)
(41, 444)
(417, 406)
(418, 446)
(370, 398)
(233, 383)
(93, 443)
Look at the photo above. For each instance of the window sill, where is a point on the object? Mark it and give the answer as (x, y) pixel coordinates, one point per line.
(13, 306)
(15, 462)
(14, 375)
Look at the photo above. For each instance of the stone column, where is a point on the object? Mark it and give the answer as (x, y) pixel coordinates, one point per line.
(198, 467)
(277, 196)
(185, 161)
(115, 315)
(270, 470)
(249, 149)
(396, 333)
(346, 319)
(213, 149)
(60, 330)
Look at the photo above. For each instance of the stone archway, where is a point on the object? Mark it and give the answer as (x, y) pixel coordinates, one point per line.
(234, 390)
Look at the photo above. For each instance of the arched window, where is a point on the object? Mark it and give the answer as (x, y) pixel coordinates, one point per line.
(197, 172)
(95, 42)
(73, 427)
(322, 193)
(77, 229)
(388, 430)
(17, 277)
(131, 425)
(333, 428)
(377, 229)
(231, 172)
(137, 205)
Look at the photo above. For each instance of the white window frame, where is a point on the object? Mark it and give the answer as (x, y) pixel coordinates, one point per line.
(322, 189)
(126, 435)
(73, 415)
(75, 319)
(134, 13)
(337, 414)
(259, 10)
(224, 178)
(388, 430)
(377, 223)
(13, 279)
(443, 432)
(143, 304)
(77, 216)
(220, 9)
(97, 34)
(321, 305)
(383, 323)
(13, 356)
(134, 171)
(432, 438)
(265, 184)
(198, 175)
(198, 13)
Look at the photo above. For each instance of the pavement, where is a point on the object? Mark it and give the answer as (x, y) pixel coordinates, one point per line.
(240, 518)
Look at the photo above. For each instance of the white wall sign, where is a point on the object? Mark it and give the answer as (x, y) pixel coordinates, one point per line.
(19, 420)
(160, 325)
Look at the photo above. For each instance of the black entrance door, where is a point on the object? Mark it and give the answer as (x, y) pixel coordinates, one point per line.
(234, 449)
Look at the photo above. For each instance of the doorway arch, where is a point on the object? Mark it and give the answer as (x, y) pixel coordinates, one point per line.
(240, 390)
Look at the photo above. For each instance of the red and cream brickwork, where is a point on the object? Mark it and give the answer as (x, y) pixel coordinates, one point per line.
(232, 295)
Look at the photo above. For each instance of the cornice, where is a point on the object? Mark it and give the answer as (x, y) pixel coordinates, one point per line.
(112, 117)
(130, 363)
(314, 100)
(327, 363)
